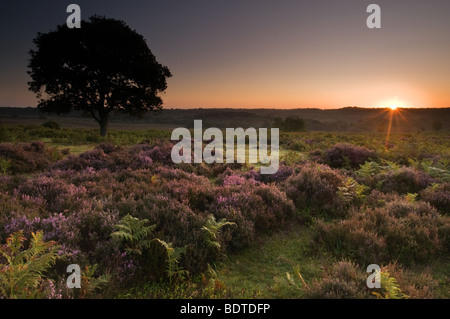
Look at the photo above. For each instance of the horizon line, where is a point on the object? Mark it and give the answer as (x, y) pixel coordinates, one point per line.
(270, 108)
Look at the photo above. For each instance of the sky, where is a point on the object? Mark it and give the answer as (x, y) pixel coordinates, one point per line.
(261, 53)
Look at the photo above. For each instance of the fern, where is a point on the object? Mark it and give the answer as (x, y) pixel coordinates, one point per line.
(368, 169)
(173, 260)
(351, 190)
(390, 166)
(390, 288)
(212, 230)
(23, 274)
(5, 165)
(293, 157)
(135, 233)
(411, 197)
(439, 170)
(89, 283)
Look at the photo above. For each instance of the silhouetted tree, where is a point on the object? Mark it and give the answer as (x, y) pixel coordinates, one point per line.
(102, 67)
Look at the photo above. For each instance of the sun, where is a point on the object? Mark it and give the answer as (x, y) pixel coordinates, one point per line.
(393, 104)
(393, 107)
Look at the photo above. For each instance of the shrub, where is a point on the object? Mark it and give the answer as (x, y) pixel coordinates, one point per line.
(161, 154)
(58, 195)
(234, 177)
(116, 158)
(283, 173)
(96, 158)
(414, 285)
(316, 188)
(402, 181)
(398, 230)
(28, 157)
(51, 225)
(88, 230)
(297, 145)
(176, 223)
(438, 195)
(254, 208)
(107, 148)
(343, 280)
(51, 125)
(84, 233)
(344, 155)
(348, 239)
(13, 209)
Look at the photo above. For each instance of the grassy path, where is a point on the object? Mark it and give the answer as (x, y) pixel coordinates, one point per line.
(260, 271)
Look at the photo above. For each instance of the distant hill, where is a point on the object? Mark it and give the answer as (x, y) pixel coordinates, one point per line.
(352, 119)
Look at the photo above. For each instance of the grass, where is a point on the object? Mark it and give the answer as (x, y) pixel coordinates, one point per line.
(260, 271)
(439, 269)
(74, 149)
(76, 136)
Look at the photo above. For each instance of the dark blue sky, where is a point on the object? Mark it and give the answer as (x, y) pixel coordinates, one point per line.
(263, 53)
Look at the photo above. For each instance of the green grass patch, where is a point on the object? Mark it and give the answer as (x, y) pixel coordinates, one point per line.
(260, 271)
(76, 149)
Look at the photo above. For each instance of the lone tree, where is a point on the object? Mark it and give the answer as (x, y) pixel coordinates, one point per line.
(102, 67)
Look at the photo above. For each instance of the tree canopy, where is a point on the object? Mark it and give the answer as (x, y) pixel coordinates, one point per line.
(290, 124)
(100, 68)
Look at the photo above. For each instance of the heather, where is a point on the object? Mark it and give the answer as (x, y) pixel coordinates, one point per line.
(320, 190)
(141, 226)
(27, 157)
(438, 195)
(78, 201)
(401, 230)
(347, 155)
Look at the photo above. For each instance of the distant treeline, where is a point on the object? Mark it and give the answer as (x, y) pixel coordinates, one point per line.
(354, 119)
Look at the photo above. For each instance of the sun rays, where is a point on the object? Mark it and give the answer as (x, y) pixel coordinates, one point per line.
(395, 117)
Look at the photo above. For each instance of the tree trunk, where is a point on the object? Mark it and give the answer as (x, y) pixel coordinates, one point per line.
(103, 126)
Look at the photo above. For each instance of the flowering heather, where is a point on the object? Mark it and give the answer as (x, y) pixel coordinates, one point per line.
(360, 216)
(343, 279)
(27, 157)
(347, 155)
(255, 208)
(58, 195)
(237, 176)
(283, 173)
(315, 187)
(397, 230)
(112, 158)
(402, 181)
(236, 180)
(96, 159)
(438, 195)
